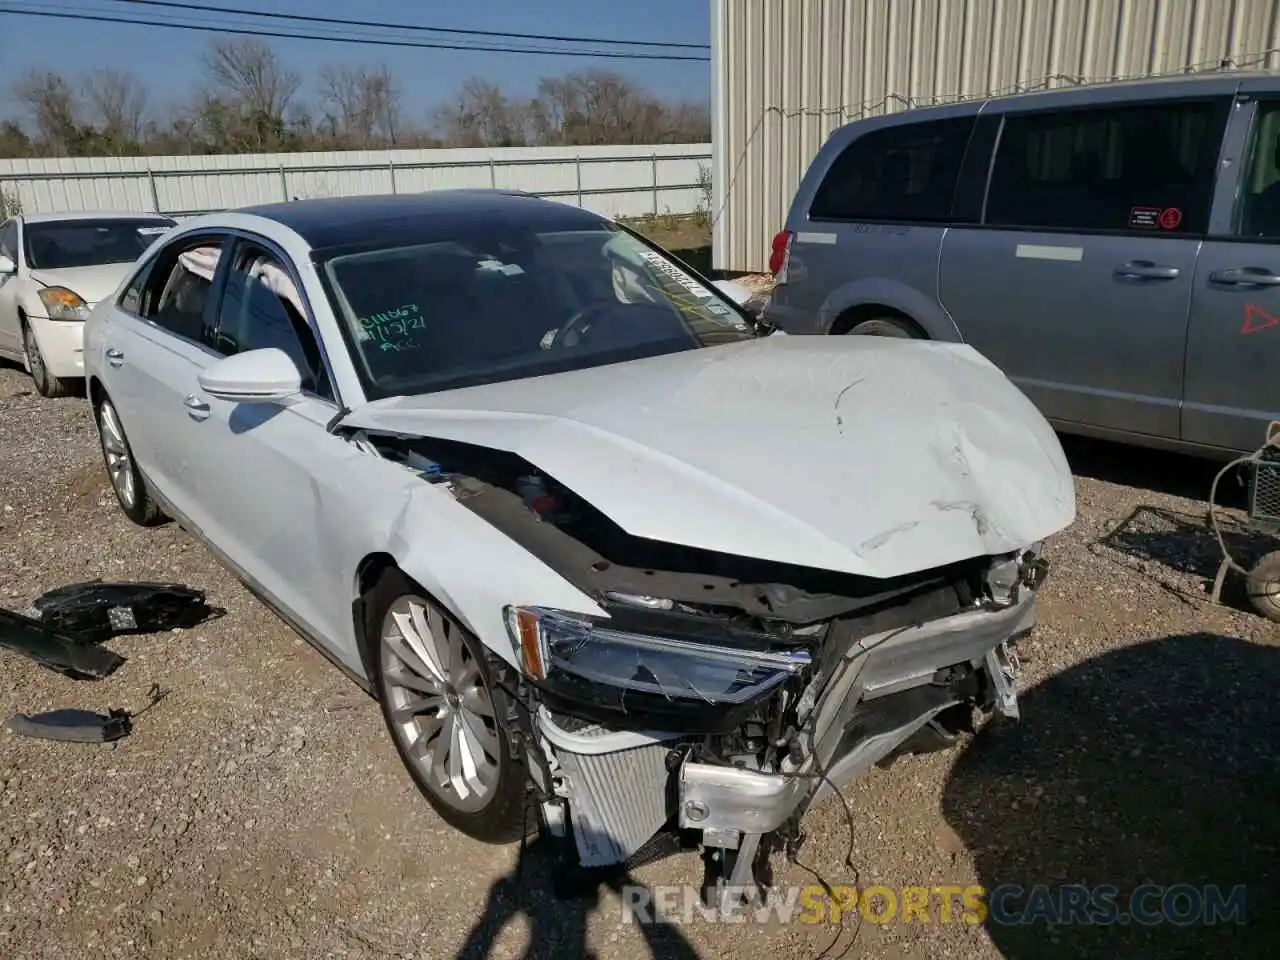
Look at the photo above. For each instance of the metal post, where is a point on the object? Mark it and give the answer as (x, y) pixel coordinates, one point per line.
(284, 184)
(391, 169)
(577, 166)
(155, 195)
(493, 175)
(653, 157)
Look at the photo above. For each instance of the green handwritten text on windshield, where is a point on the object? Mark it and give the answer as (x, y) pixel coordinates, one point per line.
(391, 329)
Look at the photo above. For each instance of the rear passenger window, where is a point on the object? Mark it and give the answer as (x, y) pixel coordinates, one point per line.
(905, 173)
(1145, 168)
(176, 290)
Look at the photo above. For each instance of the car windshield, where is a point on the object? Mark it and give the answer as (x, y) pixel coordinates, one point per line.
(502, 304)
(64, 244)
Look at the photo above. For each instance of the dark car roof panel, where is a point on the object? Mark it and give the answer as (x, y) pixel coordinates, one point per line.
(343, 221)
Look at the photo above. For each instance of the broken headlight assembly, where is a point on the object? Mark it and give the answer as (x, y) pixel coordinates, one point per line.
(585, 667)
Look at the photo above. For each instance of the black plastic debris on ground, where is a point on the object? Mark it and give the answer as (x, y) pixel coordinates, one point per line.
(98, 610)
(73, 725)
(55, 649)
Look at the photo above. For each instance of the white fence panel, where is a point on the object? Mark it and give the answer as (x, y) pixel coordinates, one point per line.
(624, 181)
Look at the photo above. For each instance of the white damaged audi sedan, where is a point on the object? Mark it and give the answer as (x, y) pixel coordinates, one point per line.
(603, 546)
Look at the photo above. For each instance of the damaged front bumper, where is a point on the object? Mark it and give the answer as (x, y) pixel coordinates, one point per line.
(900, 690)
(888, 690)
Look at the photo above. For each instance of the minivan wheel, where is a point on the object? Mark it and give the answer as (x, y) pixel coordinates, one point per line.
(884, 327)
(444, 713)
(126, 480)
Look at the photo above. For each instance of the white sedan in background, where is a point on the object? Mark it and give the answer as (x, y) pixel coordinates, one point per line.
(587, 531)
(54, 267)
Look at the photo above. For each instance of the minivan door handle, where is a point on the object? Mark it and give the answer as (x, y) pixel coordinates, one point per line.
(114, 357)
(1245, 276)
(197, 409)
(1146, 270)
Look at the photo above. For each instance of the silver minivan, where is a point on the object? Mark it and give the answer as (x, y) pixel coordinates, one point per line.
(1115, 249)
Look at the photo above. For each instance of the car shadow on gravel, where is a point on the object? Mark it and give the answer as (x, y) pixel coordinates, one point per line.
(1174, 474)
(557, 926)
(1156, 540)
(1152, 764)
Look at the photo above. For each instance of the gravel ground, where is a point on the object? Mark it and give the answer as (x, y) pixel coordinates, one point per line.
(260, 811)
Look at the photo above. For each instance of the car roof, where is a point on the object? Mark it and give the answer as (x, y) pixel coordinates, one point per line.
(1068, 94)
(343, 221)
(94, 215)
(1210, 82)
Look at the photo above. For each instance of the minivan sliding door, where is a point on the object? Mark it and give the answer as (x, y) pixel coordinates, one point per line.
(1233, 341)
(1078, 280)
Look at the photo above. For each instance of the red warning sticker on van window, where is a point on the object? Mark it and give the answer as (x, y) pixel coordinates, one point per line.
(1144, 218)
(1170, 217)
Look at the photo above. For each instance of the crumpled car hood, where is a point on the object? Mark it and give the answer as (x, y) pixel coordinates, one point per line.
(865, 455)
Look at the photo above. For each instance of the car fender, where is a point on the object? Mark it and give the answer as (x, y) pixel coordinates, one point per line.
(29, 302)
(923, 309)
(466, 564)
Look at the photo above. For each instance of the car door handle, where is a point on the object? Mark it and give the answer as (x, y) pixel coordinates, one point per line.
(114, 357)
(1146, 270)
(1245, 276)
(197, 409)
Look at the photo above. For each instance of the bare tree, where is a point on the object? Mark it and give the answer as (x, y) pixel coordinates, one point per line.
(598, 106)
(118, 103)
(482, 116)
(251, 92)
(52, 103)
(360, 105)
(250, 102)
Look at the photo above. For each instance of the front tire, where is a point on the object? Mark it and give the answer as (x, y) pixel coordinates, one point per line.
(885, 327)
(47, 385)
(446, 716)
(122, 470)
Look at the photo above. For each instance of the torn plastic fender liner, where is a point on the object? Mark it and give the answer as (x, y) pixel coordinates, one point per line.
(97, 610)
(73, 725)
(54, 649)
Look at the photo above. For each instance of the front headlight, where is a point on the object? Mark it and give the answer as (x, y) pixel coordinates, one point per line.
(554, 644)
(63, 304)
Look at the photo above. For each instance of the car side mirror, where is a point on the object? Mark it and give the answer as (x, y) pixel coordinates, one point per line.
(7, 266)
(256, 376)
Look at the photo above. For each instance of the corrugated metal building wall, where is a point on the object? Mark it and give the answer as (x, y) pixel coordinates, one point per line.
(785, 73)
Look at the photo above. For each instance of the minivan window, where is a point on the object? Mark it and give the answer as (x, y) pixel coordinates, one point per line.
(905, 173)
(1258, 213)
(1145, 167)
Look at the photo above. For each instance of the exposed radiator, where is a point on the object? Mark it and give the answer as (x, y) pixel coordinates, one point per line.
(618, 797)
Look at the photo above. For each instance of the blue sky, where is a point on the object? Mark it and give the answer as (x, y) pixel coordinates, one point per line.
(168, 61)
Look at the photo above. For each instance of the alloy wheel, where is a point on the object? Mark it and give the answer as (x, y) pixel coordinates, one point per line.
(439, 704)
(115, 451)
(35, 362)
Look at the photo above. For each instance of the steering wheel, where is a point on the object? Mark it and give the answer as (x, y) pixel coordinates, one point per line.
(572, 325)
